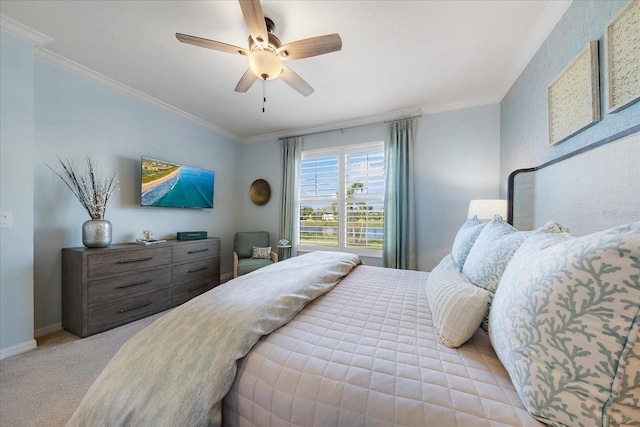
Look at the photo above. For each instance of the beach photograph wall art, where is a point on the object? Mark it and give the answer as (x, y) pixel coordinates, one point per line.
(167, 184)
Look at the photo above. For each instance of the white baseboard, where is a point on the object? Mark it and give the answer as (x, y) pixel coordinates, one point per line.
(47, 330)
(18, 349)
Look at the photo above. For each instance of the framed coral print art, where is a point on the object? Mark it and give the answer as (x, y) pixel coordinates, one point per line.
(622, 39)
(574, 96)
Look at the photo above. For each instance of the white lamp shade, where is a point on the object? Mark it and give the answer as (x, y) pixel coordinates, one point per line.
(265, 64)
(485, 209)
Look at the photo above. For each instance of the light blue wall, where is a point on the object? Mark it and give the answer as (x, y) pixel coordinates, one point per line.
(261, 160)
(456, 160)
(16, 195)
(524, 127)
(75, 117)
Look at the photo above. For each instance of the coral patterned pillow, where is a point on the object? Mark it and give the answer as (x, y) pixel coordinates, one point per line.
(464, 240)
(564, 323)
(490, 255)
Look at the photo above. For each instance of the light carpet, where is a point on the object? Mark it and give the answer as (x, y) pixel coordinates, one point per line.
(44, 386)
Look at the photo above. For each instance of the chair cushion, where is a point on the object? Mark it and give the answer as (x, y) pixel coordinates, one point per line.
(247, 265)
(244, 241)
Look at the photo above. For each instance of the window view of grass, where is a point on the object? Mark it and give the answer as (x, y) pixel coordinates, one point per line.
(342, 191)
(363, 227)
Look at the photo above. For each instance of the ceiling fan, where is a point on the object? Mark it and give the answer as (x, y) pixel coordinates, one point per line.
(266, 52)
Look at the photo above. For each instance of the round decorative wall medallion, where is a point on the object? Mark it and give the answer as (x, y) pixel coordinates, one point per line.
(260, 192)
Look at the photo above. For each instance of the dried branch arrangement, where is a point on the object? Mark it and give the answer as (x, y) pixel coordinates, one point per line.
(93, 188)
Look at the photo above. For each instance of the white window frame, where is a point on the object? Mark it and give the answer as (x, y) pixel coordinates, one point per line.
(341, 153)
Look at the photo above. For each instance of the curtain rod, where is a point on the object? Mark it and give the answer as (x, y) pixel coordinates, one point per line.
(341, 130)
(414, 116)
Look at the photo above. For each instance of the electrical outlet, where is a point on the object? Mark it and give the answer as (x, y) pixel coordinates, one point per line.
(6, 220)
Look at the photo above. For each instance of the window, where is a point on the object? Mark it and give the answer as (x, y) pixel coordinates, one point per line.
(342, 199)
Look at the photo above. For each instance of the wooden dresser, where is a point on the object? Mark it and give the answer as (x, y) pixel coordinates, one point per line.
(107, 287)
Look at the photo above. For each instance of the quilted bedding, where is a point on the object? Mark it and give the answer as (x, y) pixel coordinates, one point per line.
(176, 371)
(366, 353)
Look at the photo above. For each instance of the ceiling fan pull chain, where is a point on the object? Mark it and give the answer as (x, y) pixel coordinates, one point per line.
(264, 93)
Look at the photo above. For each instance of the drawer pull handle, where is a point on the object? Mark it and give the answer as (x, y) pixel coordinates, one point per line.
(124, 310)
(128, 285)
(199, 250)
(197, 269)
(127, 261)
(198, 287)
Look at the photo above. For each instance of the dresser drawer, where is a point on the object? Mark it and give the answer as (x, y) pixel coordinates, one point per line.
(196, 250)
(196, 270)
(108, 263)
(185, 291)
(116, 288)
(107, 287)
(120, 312)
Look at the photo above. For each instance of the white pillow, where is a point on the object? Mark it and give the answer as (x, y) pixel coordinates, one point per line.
(458, 306)
(564, 323)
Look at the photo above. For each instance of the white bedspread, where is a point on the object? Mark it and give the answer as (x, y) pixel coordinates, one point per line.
(365, 354)
(176, 371)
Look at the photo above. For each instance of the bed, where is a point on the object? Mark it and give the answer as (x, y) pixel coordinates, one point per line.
(335, 342)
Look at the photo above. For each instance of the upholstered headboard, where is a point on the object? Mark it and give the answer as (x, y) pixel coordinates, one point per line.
(591, 189)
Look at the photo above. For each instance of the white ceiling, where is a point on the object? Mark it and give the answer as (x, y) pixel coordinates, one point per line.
(396, 55)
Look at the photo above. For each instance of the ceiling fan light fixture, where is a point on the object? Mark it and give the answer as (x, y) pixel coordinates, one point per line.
(265, 64)
(266, 51)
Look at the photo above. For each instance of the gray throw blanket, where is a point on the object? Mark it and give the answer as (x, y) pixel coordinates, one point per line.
(177, 371)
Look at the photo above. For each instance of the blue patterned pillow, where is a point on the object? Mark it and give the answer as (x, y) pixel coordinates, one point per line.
(564, 322)
(464, 240)
(490, 255)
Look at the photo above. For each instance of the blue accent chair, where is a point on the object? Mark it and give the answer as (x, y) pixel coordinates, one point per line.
(243, 244)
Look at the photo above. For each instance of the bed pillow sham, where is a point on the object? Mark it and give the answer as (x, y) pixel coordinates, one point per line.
(490, 254)
(564, 323)
(458, 306)
(464, 240)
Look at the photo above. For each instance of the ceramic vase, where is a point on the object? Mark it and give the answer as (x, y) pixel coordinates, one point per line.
(96, 233)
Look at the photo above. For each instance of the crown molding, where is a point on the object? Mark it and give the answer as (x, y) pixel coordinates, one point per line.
(39, 41)
(23, 32)
(461, 105)
(380, 118)
(550, 17)
(394, 115)
(74, 67)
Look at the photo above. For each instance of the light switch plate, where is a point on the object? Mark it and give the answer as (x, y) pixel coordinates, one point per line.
(6, 220)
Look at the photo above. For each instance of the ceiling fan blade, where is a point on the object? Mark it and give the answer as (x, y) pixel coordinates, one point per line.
(211, 44)
(295, 81)
(311, 47)
(253, 16)
(246, 81)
